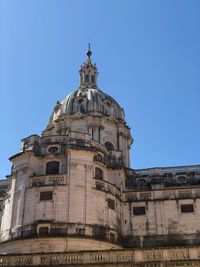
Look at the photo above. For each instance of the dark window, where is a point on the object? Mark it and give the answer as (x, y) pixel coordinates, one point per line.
(109, 145)
(53, 149)
(141, 182)
(46, 195)
(181, 179)
(98, 174)
(100, 186)
(82, 108)
(111, 204)
(52, 167)
(86, 78)
(139, 210)
(112, 237)
(80, 231)
(93, 79)
(187, 208)
(43, 231)
(80, 142)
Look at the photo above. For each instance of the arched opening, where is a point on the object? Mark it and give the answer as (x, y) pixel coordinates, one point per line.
(52, 167)
(109, 145)
(98, 174)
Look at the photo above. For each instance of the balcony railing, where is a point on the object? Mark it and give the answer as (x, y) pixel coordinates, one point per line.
(165, 194)
(58, 179)
(159, 257)
(107, 187)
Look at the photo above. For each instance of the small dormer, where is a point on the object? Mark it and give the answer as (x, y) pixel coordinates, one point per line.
(88, 73)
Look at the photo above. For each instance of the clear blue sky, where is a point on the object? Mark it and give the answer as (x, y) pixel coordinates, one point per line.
(148, 57)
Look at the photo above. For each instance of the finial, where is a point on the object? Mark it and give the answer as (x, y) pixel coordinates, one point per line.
(89, 52)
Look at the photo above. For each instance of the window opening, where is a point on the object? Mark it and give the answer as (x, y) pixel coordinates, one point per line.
(98, 174)
(80, 231)
(92, 78)
(187, 208)
(46, 195)
(139, 210)
(111, 204)
(43, 231)
(112, 237)
(52, 167)
(86, 78)
(53, 149)
(109, 145)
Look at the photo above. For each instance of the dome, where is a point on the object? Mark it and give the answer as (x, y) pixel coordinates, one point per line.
(90, 101)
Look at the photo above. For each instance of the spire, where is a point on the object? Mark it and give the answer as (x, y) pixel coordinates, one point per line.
(89, 52)
(88, 72)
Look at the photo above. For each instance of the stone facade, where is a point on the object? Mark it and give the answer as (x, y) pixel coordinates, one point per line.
(72, 189)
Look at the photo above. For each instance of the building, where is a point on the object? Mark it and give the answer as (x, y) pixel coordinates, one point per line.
(72, 198)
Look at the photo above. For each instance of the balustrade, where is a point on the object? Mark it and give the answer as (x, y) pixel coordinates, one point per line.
(58, 179)
(102, 185)
(165, 194)
(85, 258)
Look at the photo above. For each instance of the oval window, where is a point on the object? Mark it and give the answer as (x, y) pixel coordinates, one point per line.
(53, 149)
(109, 145)
(181, 179)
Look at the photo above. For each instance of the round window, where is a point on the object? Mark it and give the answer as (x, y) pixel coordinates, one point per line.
(141, 182)
(181, 179)
(53, 149)
(109, 145)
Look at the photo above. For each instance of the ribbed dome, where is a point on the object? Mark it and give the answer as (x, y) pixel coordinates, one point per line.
(90, 101)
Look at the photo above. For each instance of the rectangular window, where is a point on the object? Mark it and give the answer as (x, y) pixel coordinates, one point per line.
(86, 78)
(187, 208)
(43, 231)
(93, 79)
(111, 204)
(46, 195)
(139, 210)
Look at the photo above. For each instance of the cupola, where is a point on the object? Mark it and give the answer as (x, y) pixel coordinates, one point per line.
(88, 73)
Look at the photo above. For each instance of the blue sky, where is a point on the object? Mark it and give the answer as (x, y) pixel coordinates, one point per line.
(147, 54)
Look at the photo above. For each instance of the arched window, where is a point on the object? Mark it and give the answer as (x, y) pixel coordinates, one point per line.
(109, 145)
(98, 174)
(52, 167)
